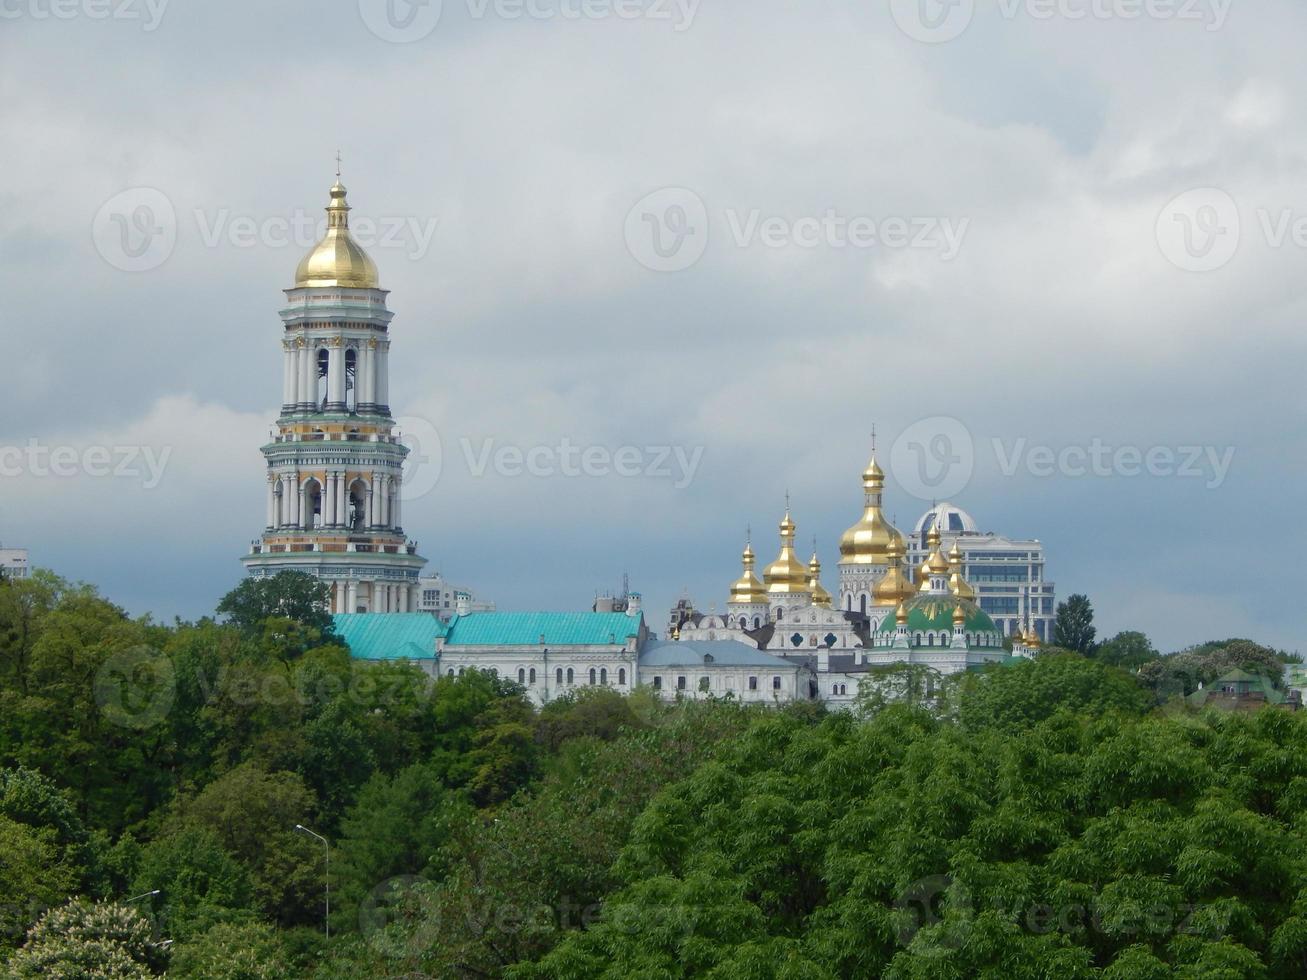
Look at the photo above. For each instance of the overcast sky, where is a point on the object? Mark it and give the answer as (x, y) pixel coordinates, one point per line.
(1044, 248)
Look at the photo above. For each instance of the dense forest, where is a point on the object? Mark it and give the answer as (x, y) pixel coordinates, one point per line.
(175, 800)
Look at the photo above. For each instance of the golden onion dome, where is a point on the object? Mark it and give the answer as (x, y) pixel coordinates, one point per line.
(894, 586)
(747, 590)
(867, 542)
(959, 616)
(786, 575)
(337, 260)
(901, 615)
(820, 597)
(959, 586)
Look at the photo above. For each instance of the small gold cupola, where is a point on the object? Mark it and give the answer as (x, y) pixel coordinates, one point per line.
(337, 260)
(935, 566)
(956, 583)
(787, 574)
(747, 590)
(820, 597)
(894, 586)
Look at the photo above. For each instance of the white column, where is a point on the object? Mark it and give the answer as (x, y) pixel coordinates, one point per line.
(371, 508)
(383, 373)
(394, 515)
(384, 510)
(403, 598)
(336, 374)
(363, 375)
(342, 501)
(309, 377)
(329, 500)
(351, 596)
(289, 394)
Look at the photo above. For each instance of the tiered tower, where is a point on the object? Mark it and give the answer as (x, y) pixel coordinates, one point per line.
(335, 461)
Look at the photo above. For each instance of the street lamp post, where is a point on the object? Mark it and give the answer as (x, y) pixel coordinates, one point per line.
(139, 897)
(327, 875)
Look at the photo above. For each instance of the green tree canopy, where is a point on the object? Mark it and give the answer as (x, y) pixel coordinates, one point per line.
(297, 596)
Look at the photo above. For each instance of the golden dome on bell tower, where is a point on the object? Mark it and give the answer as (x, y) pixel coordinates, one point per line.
(337, 260)
(867, 542)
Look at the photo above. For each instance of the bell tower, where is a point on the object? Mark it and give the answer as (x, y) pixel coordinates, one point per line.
(335, 462)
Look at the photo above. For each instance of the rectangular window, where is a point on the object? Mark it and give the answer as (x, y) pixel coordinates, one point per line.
(680, 683)
(775, 683)
(658, 683)
(753, 683)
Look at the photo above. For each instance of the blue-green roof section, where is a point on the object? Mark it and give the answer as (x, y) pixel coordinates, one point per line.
(514, 629)
(390, 636)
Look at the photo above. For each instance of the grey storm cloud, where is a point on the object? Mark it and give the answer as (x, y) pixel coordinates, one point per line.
(1086, 161)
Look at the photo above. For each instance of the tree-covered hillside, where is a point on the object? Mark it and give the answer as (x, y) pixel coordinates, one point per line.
(1061, 817)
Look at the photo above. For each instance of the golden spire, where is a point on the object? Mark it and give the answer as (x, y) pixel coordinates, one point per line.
(956, 583)
(867, 542)
(747, 590)
(337, 260)
(786, 575)
(901, 615)
(820, 597)
(959, 616)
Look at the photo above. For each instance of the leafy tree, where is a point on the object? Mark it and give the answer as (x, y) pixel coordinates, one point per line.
(297, 596)
(400, 826)
(81, 940)
(201, 883)
(1074, 626)
(1130, 650)
(253, 814)
(1021, 695)
(914, 684)
(233, 951)
(34, 875)
(598, 712)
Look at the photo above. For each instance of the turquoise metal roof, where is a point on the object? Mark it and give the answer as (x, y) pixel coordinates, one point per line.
(528, 629)
(390, 636)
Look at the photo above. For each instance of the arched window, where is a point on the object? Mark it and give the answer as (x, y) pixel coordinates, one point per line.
(532, 675)
(863, 601)
(324, 359)
(592, 676)
(744, 622)
(521, 675)
(621, 676)
(757, 622)
(558, 675)
(603, 675)
(570, 677)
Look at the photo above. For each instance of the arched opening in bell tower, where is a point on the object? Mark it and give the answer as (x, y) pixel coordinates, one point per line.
(351, 380)
(323, 359)
(312, 504)
(358, 506)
